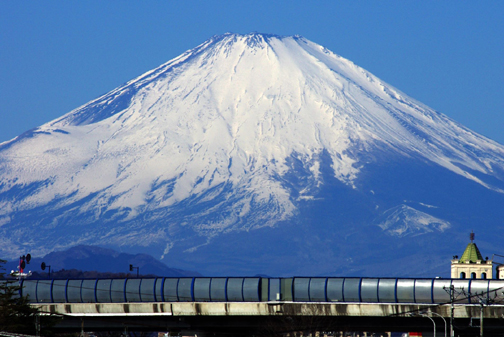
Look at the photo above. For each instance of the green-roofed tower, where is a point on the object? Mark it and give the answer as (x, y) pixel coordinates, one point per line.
(471, 264)
(471, 254)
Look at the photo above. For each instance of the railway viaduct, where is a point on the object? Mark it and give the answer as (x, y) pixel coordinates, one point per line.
(276, 317)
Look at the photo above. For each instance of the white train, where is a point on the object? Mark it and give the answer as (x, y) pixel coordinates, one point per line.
(257, 289)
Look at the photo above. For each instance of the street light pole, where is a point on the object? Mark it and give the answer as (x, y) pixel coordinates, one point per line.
(434, 323)
(444, 320)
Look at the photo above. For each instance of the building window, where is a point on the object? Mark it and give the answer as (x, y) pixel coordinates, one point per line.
(483, 276)
(473, 276)
(462, 274)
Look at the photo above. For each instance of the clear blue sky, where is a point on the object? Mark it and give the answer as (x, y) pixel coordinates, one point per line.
(58, 55)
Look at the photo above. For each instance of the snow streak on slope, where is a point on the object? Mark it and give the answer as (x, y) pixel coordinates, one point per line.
(226, 116)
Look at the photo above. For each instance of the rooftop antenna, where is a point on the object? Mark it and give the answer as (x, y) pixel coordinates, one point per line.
(471, 236)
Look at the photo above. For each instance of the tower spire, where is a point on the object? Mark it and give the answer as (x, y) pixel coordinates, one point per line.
(471, 264)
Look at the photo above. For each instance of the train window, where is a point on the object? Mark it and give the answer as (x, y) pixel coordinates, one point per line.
(274, 289)
(133, 290)
(251, 289)
(159, 289)
(235, 289)
(88, 291)
(185, 290)
(405, 290)
(459, 287)
(147, 290)
(74, 288)
(170, 289)
(59, 291)
(351, 289)
(439, 290)
(30, 290)
(286, 289)
(369, 290)
(103, 291)
(495, 290)
(44, 291)
(318, 289)
(218, 289)
(335, 289)
(386, 290)
(202, 289)
(478, 289)
(117, 290)
(302, 289)
(423, 291)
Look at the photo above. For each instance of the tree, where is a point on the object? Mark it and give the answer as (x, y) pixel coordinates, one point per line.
(16, 315)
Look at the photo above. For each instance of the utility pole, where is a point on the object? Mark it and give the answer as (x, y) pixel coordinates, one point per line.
(452, 309)
(37, 324)
(451, 291)
(484, 300)
(481, 316)
(82, 334)
(483, 297)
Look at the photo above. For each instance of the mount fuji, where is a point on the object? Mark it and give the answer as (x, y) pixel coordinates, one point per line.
(256, 154)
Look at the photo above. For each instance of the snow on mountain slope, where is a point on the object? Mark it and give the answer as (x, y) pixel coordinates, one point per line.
(228, 115)
(404, 220)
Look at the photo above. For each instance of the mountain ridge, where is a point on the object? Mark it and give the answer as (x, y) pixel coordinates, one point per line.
(87, 258)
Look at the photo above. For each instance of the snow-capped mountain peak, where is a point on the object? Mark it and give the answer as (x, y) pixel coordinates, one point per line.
(222, 126)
